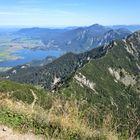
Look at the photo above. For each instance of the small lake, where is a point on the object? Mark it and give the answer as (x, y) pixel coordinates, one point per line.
(28, 55)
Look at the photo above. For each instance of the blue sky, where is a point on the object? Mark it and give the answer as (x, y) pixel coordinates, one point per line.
(69, 12)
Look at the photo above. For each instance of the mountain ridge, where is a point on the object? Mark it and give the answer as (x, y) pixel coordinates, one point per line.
(66, 65)
(74, 40)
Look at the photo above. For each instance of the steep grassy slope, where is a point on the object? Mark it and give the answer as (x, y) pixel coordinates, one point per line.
(101, 89)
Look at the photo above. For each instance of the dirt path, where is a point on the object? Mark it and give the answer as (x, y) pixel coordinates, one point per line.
(9, 134)
(35, 98)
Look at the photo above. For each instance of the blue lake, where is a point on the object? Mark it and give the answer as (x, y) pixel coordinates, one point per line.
(28, 55)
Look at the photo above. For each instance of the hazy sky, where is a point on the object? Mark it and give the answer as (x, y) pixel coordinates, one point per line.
(69, 12)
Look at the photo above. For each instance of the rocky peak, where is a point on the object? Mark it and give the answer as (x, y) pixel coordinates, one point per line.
(135, 37)
(97, 27)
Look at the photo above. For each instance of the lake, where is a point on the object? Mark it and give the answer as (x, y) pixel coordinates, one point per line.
(28, 55)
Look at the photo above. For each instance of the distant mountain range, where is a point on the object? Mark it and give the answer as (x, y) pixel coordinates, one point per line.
(62, 68)
(132, 28)
(74, 40)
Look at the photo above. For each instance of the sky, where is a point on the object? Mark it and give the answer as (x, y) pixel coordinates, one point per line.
(68, 12)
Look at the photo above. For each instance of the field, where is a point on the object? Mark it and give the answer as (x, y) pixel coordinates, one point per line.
(10, 43)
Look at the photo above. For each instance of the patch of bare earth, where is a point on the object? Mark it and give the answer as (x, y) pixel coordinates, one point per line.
(9, 134)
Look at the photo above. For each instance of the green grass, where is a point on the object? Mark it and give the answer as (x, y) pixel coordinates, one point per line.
(14, 119)
(86, 109)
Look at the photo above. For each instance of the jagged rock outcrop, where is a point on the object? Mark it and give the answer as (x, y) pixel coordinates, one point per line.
(122, 76)
(84, 81)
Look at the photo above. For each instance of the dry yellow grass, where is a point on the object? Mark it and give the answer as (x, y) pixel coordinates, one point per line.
(17, 106)
(66, 114)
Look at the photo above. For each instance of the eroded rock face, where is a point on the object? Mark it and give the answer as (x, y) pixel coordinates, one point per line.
(132, 44)
(138, 66)
(56, 81)
(131, 49)
(84, 81)
(14, 72)
(122, 76)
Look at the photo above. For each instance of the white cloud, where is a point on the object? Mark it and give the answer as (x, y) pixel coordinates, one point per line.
(8, 13)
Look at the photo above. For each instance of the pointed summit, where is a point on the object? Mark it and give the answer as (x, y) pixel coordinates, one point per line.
(97, 28)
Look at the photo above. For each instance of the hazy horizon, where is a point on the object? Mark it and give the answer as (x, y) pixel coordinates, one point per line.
(60, 26)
